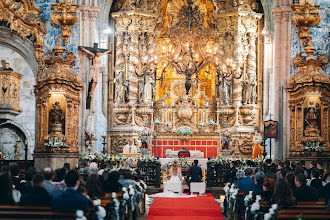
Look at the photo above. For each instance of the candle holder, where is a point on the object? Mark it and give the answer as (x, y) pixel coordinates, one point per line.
(104, 143)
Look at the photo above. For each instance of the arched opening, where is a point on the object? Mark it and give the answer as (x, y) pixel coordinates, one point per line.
(13, 139)
(19, 53)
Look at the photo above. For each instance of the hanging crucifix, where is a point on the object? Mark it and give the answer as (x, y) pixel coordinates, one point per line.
(96, 54)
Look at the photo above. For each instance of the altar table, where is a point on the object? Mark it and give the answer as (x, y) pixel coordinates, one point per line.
(201, 161)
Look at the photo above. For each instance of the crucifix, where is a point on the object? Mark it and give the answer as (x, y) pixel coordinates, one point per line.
(96, 54)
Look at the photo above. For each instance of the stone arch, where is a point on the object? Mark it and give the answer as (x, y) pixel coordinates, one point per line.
(24, 47)
(21, 131)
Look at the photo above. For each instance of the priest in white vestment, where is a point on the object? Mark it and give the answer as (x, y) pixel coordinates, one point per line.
(130, 148)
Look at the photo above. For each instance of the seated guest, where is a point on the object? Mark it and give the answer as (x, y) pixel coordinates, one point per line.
(240, 175)
(320, 167)
(315, 180)
(272, 174)
(112, 184)
(6, 189)
(38, 195)
(290, 178)
(184, 153)
(268, 187)
(302, 191)
(230, 175)
(59, 178)
(126, 178)
(93, 186)
(280, 166)
(70, 200)
(27, 182)
(257, 188)
(134, 165)
(66, 167)
(195, 173)
(14, 171)
(283, 194)
(324, 192)
(49, 186)
(245, 183)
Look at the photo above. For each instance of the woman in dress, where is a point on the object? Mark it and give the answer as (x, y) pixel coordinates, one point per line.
(257, 148)
(174, 184)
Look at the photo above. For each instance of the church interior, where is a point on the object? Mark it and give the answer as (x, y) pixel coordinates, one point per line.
(150, 85)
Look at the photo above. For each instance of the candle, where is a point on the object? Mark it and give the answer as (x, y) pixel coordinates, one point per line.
(163, 104)
(207, 104)
(217, 104)
(104, 134)
(195, 104)
(25, 142)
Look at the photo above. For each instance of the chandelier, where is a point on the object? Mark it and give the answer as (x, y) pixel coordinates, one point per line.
(189, 49)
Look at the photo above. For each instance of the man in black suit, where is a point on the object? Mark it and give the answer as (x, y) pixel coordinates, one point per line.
(302, 191)
(195, 174)
(38, 195)
(70, 200)
(14, 171)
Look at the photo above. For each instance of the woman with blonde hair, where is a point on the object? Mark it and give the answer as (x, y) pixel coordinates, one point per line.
(174, 184)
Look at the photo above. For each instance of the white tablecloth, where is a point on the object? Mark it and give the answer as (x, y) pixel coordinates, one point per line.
(201, 161)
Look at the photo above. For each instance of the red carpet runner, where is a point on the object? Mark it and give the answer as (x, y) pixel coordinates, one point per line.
(196, 208)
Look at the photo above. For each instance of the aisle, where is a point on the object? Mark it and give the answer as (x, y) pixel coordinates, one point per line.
(196, 208)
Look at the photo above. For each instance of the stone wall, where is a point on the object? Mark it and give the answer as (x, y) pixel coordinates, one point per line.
(27, 99)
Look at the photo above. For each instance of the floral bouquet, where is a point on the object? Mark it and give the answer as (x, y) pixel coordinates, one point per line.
(55, 142)
(184, 131)
(313, 147)
(212, 123)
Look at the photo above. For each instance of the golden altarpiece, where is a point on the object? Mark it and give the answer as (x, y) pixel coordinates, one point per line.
(211, 105)
(309, 92)
(58, 98)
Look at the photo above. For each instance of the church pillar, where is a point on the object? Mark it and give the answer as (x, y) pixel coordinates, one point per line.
(282, 19)
(89, 12)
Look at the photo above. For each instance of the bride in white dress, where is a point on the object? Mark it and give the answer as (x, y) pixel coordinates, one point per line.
(174, 184)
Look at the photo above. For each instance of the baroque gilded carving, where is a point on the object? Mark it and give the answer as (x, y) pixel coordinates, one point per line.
(10, 91)
(309, 88)
(58, 99)
(24, 19)
(65, 15)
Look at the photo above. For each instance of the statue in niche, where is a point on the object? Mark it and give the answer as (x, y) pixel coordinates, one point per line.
(226, 90)
(56, 117)
(225, 140)
(311, 113)
(120, 89)
(148, 90)
(90, 125)
(245, 86)
(141, 91)
(252, 89)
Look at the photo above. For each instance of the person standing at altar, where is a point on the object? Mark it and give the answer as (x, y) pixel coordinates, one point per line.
(257, 148)
(130, 148)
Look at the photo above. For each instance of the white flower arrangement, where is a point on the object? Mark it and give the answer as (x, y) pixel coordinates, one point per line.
(201, 123)
(271, 212)
(168, 124)
(113, 195)
(184, 131)
(101, 213)
(80, 215)
(131, 190)
(313, 147)
(55, 142)
(256, 205)
(212, 123)
(248, 198)
(125, 196)
(157, 121)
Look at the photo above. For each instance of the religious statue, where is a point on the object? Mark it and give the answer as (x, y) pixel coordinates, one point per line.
(95, 68)
(119, 85)
(90, 125)
(257, 148)
(227, 90)
(252, 89)
(245, 85)
(225, 140)
(147, 91)
(141, 91)
(145, 135)
(56, 117)
(311, 114)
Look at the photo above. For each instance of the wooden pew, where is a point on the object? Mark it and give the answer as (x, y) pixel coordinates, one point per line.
(305, 214)
(32, 212)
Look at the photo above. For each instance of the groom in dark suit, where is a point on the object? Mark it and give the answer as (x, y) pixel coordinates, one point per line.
(195, 174)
